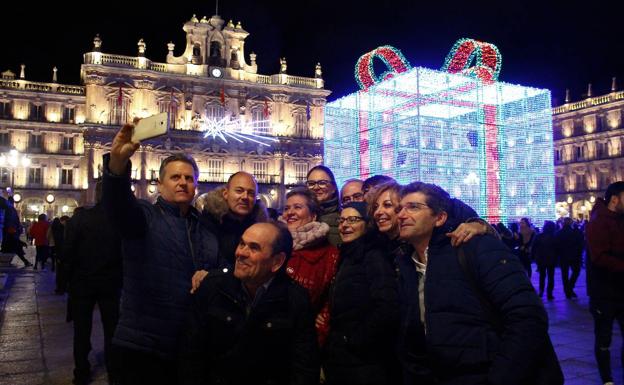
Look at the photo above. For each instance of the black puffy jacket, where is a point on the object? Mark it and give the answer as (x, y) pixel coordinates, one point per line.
(229, 342)
(364, 314)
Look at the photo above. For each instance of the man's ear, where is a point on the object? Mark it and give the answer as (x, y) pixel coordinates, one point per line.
(224, 193)
(278, 261)
(441, 218)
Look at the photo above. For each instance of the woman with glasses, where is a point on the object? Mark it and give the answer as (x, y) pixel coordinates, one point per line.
(364, 307)
(321, 181)
(314, 260)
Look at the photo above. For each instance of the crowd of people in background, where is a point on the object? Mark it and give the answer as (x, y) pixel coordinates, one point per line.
(371, 282)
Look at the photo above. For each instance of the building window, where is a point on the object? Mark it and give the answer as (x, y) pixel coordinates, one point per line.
(560, 183)
(214, 172)
(580, 184)
(171, 108)
(603, 180)
(36, 112)
(5, 176)
(214, 112)
(261, 171)
(118, 109)
(580, 153)
(68, 143)
(301, 172)
(5, 110)
(67, 177)
(301, 125)
(259, 122)
(34, 175)
(69, 114)
(35, 142)
(5, 139)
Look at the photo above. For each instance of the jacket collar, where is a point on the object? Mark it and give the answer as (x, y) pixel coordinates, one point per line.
(601, 209)
(173, 209)
(330, 206)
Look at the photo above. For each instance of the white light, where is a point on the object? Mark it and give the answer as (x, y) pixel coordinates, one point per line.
(471, 179)
(49, 198)
(65, 208)
(132, 188)
(272, 191)
(236, 129)
(151, 189)
(3, 160)
(25, 162)
(34, 208)
(13, 152)
(583, 208)
(592, 199)
(570, 200)
(13, 161)
(17, 197)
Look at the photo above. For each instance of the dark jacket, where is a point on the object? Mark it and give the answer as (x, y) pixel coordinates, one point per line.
(544, 250)
(161, 252)
(330, 212)
(364, 315)
(92, 250)
(605, 247)
(231, 342)
(461, 344)
(215, 215)
(569, 244)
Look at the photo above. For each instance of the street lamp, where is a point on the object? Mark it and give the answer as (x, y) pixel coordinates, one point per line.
(14, 160)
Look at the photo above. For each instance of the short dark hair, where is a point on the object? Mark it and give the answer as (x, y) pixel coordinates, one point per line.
(178, 157)
(436, 197)
(283, 242)
(614, 189)
(311, 201)
(42, 217)
(329, 172)
(376, 180)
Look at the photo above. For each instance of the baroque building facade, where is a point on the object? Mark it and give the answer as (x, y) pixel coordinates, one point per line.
(589, 150)
(221, 111)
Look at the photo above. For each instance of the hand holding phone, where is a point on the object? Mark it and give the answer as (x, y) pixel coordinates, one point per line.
(151, 127)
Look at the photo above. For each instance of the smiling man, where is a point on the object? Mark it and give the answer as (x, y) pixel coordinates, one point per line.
(469, 314)
(164, 244)
(230, 210)
(254, 326)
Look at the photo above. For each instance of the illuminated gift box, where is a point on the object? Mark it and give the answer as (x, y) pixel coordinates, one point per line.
(487, 143)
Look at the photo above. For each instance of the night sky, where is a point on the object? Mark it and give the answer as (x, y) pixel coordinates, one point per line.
(543, 45)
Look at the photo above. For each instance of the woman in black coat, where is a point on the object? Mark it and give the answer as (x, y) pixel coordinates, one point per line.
(545, 255)
(364, 308)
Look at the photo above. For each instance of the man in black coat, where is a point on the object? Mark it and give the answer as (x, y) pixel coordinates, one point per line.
(480, 325)
(570, 251)
(254, 326)
(92, 266)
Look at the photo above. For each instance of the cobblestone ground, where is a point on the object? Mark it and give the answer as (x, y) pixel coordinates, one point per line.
(36, 342)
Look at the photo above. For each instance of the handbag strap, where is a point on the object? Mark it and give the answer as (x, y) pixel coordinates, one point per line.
(491, 313)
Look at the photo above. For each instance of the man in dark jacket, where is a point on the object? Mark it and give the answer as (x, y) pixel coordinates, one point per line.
(163, 245)
(228, 211)
(463, 344)
(12, 230)
(92, 266)
(254, 326)
(605, 272)
(570, 251)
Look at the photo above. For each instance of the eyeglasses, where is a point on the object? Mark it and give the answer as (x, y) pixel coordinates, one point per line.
(412, 207)
(357, 197)
(350, 220)
(321, 183)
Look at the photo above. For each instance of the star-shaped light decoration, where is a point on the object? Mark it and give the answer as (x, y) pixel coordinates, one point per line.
(236, 129)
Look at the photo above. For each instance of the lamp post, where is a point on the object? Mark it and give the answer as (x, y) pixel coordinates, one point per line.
(13, 160)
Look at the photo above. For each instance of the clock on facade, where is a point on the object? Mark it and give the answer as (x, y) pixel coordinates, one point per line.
(216, 72)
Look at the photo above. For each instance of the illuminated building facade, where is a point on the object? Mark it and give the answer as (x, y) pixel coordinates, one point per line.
(209, 85)
(589, 141)
(487, 143)
(43, 122)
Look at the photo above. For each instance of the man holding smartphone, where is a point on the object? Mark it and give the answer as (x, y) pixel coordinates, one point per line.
(164, 244)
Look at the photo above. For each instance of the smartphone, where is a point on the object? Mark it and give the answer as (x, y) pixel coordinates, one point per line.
(151, 127)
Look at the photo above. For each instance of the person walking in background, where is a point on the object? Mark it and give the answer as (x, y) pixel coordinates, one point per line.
(39, 232)
(320, 180)
(544, 252)
(570, 252)
(11, 242)
(91, 265)
(605, 273)
(526, 236)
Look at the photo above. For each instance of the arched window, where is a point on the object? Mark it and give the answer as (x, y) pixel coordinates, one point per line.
(214, 112)
(259, 121)
(301, 125)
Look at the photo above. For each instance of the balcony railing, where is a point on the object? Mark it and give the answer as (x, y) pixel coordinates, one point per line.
(589, 102)
(214, 177)
(267, 178)
(42, 87)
